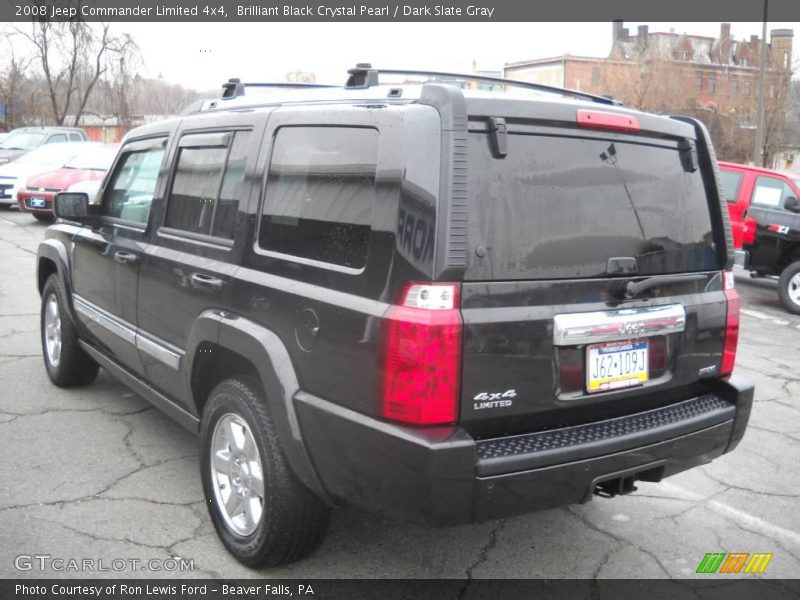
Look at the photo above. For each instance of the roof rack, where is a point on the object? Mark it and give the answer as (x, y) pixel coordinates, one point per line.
(364, 76)
(234, 87)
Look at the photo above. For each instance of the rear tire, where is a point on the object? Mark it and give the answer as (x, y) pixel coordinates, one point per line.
(43, 216)
(264, 516)
(66, 363)
(789, 288)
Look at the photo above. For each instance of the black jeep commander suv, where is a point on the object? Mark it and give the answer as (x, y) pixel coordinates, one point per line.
(439, 304)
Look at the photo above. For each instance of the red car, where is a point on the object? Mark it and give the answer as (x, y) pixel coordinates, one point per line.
(37, 196)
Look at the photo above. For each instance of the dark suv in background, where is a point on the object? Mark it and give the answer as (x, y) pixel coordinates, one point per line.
(437, 304)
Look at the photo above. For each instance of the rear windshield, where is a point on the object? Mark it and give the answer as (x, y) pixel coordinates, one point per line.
(560, 207)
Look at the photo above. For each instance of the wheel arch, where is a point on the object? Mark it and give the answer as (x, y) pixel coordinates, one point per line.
(52, 259)
(236, 346)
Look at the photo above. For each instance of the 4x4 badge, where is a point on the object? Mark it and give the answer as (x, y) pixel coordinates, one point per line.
(494, 399)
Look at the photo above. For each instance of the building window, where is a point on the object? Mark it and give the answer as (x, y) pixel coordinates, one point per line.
(711, 83)
(785, 60)
(746, 88)
(771, 90)
(735, 86)
(595, 76)
(698, 82)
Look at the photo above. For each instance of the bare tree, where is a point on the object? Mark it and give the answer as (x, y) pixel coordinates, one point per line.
(11, 79)
(653, 84)
(71, 57)
(778, 103)
(159, 97)
(122, 94)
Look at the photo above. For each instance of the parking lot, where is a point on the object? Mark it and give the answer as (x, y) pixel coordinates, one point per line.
(96, 473)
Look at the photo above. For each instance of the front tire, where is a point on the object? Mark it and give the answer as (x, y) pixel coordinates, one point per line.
(789, 288)
(66, 363)
(264, 516)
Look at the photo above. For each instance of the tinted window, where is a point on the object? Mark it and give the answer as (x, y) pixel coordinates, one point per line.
(560, 207)
(320, 192)
(731, 180)
(195, 188)
(130, 191)
(233, 187)
(770, 193)
(205, 194)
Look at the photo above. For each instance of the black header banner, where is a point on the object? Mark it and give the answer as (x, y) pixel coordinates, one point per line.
(396, 10)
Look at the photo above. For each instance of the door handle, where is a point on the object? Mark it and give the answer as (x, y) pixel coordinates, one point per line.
(200, 280)
(125, 258)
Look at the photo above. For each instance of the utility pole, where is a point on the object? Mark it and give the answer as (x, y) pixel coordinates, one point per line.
(758, 151)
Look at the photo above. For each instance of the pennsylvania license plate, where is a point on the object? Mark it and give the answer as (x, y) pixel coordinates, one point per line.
(37, 202)
(616, 365)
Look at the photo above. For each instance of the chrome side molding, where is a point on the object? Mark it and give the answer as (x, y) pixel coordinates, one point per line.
(145, 342)
(574, 329)
(116, 326)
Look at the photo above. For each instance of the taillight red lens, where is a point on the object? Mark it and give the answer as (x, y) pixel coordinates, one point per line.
(749, 226)
(421, 356)
(731, 324)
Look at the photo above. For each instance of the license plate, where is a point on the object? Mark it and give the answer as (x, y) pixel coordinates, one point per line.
(37, 202)
(616, 365)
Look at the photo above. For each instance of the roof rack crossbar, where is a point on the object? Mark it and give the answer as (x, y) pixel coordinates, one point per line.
(234, 87)
(364, 76)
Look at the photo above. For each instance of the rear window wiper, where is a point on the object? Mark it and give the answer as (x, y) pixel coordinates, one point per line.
(634, 288)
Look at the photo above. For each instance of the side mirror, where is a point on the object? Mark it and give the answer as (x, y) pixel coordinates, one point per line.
(74, 206)
(792, 204)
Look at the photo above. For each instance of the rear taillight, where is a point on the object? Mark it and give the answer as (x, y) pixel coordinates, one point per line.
(731, 324)
(749, 226)
(420, 366)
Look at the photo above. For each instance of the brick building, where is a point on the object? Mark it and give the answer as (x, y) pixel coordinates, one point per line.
(667, 71)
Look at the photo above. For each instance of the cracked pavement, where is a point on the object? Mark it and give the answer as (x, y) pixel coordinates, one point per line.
(95, 472)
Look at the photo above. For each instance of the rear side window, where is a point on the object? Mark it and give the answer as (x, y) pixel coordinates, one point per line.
(320, 193)
(75, 137)
(560, 207)
(57, 138)
(207, 187)
(731, 181)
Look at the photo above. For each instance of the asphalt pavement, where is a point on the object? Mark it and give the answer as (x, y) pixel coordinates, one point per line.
(96, 474)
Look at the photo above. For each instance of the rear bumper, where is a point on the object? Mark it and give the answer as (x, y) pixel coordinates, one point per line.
(441, 476)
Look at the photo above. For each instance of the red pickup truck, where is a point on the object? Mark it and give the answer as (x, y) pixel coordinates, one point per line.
(765, 219)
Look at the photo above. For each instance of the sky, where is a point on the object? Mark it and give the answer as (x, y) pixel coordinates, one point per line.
(204, 55)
